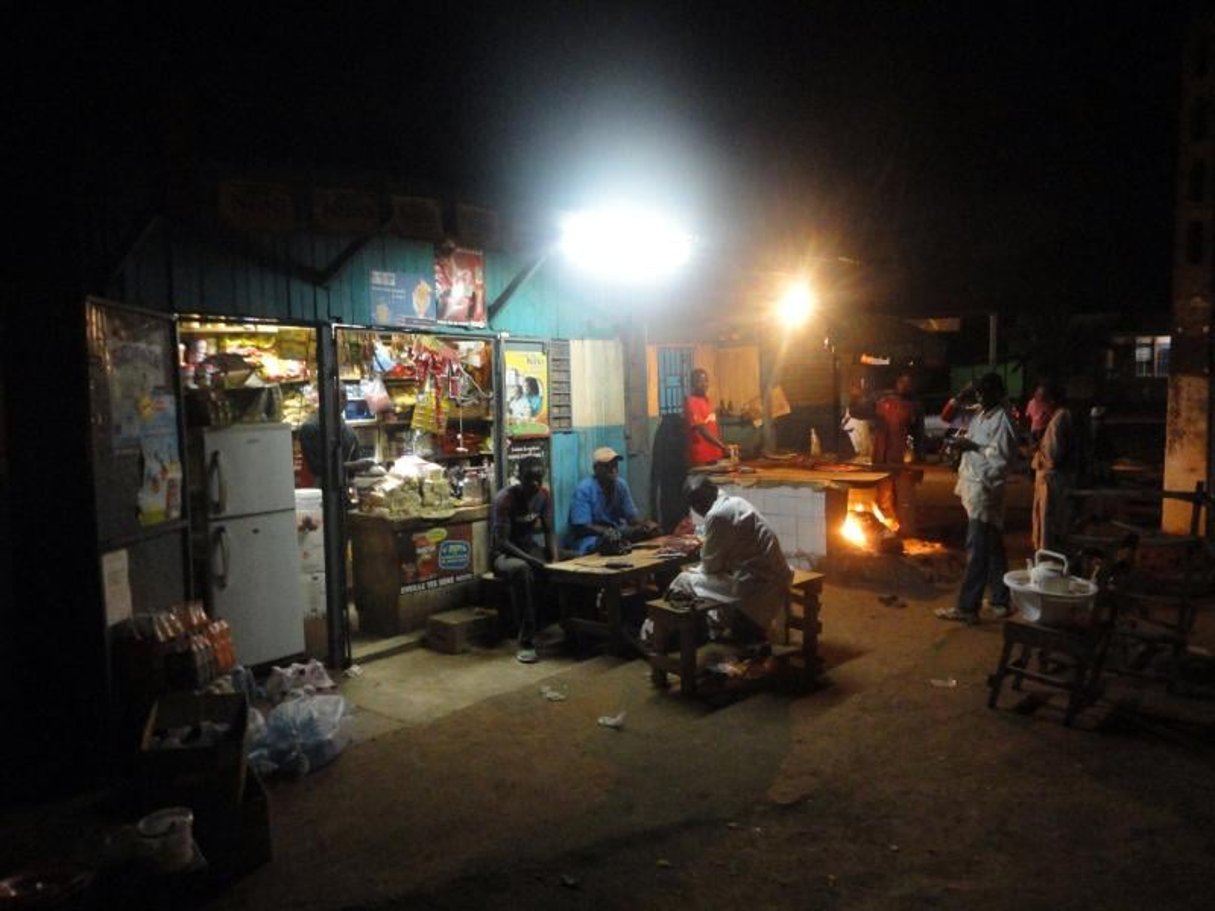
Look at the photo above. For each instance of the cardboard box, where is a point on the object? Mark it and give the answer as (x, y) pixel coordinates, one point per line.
(200, 771)
(451, 632)
(237, 841)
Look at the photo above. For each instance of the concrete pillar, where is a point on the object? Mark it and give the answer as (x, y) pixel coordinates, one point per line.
(1189, 454)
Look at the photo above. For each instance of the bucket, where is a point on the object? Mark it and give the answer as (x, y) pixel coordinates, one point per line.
(166, 837)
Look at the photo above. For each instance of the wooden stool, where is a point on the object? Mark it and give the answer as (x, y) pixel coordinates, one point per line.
(676, 619)
(1069, 658)
(801, 659)
(798, 659)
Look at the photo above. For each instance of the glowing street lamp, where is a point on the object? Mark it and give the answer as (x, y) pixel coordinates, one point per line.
(625, 244)
(796, 304)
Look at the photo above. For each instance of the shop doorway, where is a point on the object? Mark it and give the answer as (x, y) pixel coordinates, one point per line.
(420, 408)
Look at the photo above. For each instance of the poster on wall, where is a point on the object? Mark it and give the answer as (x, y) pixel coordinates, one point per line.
(159, 498)
(437, 557)
(530, 449)
(401, 298)
(526, 393)
(136, 370)
(460, 285)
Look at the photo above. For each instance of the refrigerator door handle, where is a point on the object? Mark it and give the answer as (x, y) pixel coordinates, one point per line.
(221, 555)
(217, 490)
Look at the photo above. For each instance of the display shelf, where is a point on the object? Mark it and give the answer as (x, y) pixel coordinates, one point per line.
(457, 456)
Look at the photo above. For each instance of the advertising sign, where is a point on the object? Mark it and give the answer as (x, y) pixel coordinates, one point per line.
(401, 298)
(439, 556)
(526, 392)
(460, 286)
(531, 449)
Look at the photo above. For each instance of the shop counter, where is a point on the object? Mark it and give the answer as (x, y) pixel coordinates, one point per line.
(404, 570)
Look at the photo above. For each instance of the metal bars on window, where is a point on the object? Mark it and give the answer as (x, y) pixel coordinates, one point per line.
(674, 369)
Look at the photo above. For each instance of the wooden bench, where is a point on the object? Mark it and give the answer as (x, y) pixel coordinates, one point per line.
(798, 659)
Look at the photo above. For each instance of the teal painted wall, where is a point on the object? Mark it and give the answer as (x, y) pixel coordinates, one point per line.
(183, 271)
(269, 276)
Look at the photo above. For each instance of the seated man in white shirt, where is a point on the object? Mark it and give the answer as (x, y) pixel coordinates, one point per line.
(740, 561)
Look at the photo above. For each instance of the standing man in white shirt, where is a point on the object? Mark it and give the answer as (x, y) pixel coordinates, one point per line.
(988, 449)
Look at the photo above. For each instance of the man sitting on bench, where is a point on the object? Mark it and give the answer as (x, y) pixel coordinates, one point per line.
(741, 563)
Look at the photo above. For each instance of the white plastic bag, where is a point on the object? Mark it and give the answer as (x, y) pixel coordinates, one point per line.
(302, 734)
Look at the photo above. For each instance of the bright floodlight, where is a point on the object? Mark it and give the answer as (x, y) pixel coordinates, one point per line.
(625, 244)
(796, 304)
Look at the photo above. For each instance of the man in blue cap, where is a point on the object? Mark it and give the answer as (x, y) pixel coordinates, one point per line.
(602, 508)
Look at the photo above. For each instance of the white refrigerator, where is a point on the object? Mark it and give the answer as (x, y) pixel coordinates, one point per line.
(253, 554)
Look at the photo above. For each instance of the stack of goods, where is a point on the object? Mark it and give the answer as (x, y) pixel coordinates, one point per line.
(181, 647)
(413, 488)
(309, 526)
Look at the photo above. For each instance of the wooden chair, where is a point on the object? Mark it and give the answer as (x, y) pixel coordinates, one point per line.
(798, 659)
(1159, 608)
(1070, 658)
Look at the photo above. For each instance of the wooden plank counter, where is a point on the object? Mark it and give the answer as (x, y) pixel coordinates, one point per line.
(793, 475)
(397, 587)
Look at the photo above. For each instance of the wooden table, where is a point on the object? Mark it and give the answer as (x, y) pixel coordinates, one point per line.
(610, 575)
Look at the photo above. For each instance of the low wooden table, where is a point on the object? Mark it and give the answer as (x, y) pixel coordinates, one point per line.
(610, 575)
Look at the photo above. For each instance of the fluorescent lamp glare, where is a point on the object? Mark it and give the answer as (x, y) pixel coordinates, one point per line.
(625, 244)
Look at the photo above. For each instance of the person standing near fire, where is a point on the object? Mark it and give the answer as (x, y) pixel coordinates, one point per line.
(704, 435)
(899, 418)
(988, 449)
(1054, 464)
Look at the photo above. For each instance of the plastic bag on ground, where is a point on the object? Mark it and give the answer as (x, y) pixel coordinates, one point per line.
(302, 734)
(307, 678)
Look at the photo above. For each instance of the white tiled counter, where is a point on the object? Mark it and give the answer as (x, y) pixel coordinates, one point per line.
(803, 506)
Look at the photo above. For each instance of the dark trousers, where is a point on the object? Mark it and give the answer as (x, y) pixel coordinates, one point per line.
(524, 590)
(986, 565)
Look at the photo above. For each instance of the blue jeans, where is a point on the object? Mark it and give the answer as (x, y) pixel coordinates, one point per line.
(986, 565)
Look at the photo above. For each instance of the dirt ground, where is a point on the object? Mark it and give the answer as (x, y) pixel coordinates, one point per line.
(892, 786)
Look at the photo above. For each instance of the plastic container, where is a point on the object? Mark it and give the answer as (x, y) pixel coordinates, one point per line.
(166, 838)
(309, 525)
(1048, 571)
(312, 594)
(1072, 606)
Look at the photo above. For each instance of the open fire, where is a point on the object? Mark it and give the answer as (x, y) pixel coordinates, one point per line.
(866, 527)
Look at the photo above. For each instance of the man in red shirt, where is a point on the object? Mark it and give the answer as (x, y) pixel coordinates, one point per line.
(900, 417)
(704, 436)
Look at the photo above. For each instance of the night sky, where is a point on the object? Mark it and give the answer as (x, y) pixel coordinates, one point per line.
(972, 155)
